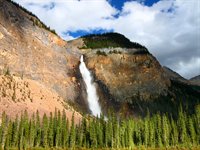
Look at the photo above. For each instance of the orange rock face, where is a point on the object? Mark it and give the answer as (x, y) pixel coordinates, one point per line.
(126, 77)
(18, 95)
(127, 74)
(30, 51)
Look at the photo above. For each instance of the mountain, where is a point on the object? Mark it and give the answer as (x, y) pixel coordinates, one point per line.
(131, 81)
(128, 78)
(174, 75)
(195, 80)
(29, 50)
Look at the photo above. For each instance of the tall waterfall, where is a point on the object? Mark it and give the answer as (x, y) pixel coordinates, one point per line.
(92, 97)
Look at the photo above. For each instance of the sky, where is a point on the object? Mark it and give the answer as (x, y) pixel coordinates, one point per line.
(170, 29)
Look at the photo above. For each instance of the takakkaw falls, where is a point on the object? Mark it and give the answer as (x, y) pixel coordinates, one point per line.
(92, 96)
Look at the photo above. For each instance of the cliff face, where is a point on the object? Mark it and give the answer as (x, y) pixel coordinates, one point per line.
(127, 77)
(28, 50)
(31, 53)
(132, 82)
(18, 95)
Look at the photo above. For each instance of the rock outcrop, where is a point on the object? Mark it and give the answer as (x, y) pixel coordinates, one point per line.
(18, 95)
(29, 50)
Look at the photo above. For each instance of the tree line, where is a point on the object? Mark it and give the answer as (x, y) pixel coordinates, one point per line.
(56, 131)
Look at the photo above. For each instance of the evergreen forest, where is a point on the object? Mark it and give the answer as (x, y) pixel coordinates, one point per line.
(156, 131)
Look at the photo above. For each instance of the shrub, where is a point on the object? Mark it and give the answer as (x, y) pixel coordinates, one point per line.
(101, 53)
(115, 52)
(7, 72)
(33, 18)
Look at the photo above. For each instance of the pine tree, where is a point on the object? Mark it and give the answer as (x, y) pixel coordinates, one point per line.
(93, 136)
(51, 131)
(3, 129)
(110, 132)
(182, 127)
(138, 133)
(8, 136)
(72, 134)
(15, 132)
(26, 129)
(192, 132)
(55, 127)
(106, 133)
(146, 131)
(58, 130)
(158, 130)
(38, 130)
(122, 133)
(165, 130)
(64, 134)
(197, 122)
(44, 131)
(21, 132)
(84, 132)
(32, 131)
(116, 134)
(79, 136)
(129, 130)
(152, 130)
(174, 133)
(67, 134)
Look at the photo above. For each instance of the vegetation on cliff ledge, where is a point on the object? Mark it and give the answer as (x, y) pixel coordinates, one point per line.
(106, 40)
(36, 21)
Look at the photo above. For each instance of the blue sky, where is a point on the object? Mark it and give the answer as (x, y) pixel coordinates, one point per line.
(118, 4)
(170, 29)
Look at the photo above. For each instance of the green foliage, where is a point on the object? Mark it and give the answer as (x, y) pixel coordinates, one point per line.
(158, 131)
(7, 72)
(101, 53)
(114, 52)
(110, 40)
(72, 139)
(40, 24)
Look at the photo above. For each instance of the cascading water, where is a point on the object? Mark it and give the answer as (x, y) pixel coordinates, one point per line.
(92, 97)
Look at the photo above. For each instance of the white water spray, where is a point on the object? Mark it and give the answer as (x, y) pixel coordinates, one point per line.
(92, 97)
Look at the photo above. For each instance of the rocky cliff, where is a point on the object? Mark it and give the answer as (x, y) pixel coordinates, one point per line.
(131, 81)
(31, 51)
(18, 95)
(28, 50)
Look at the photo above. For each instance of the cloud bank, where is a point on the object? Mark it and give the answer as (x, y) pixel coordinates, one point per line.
(170, 29)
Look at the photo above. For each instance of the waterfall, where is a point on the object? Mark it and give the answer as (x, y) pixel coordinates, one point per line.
(92, 97)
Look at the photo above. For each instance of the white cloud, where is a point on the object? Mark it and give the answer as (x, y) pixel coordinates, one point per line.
(73, 15)
(170, 29)
(189, 69)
